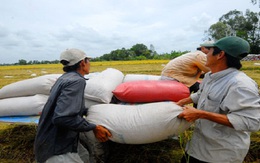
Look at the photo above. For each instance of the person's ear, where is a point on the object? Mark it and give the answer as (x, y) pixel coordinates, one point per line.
(82, 62)
(221, 55)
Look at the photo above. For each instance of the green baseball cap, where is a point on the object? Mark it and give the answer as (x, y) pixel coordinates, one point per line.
(232, 45)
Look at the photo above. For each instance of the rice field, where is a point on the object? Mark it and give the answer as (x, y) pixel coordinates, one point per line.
(10, 74)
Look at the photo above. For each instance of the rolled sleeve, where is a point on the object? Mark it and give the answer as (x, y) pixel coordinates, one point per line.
(244, 124)
(194, 97)
(244, 109)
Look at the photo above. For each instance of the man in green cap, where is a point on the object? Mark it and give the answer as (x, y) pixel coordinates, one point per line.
(228, 106)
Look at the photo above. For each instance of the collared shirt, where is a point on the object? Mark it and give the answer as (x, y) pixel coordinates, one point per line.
(234, 94)
(186, 68)
(62, 118)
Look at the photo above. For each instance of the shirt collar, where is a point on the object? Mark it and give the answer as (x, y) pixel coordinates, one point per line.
(78, 74)
(220, 74)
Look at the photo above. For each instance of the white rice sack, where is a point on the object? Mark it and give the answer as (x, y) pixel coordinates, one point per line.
(139, 124)
(89, 103)
(99, 88)
(91, 75)
(29, 87)
(135, 77)
(23, 106)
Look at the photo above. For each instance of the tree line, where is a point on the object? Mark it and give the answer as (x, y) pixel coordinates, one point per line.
(136, 52)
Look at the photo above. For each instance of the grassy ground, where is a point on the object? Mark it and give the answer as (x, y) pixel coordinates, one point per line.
(16, 145)
(16, 141)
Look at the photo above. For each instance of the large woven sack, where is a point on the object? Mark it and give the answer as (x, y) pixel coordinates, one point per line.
(89, 103)
(29, 87)
(99, 88)
(23, 106)
(135, 77)
(151, 91)
(138, 124)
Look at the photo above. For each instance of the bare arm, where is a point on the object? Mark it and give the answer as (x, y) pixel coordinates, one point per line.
(184, 101)
(201, 63)
(191, 114)
(203, 68)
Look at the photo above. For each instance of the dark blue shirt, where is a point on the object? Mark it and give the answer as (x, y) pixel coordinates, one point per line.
(62, 118)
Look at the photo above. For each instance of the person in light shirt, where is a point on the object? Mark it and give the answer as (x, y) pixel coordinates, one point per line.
(228, 106)
(188, 68)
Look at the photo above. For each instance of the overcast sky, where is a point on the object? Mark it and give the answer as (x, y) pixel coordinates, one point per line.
(42, 29)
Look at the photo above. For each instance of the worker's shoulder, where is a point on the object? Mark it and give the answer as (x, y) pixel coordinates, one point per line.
(72, 77)
(194, 55)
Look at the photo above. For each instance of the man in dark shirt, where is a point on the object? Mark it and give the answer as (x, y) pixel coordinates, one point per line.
(62, 116)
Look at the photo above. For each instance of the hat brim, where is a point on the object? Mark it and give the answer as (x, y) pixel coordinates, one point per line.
(207, 45)
(88, 57)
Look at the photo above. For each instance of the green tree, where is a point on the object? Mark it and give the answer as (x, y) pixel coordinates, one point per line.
(234, 23)
(22, 62)
(139, 49)
(252, 28)
(217, 31)
(234, 20)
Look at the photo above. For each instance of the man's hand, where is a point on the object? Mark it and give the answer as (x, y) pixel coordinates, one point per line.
(101, 133)
(184, 101)
(190, 114)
